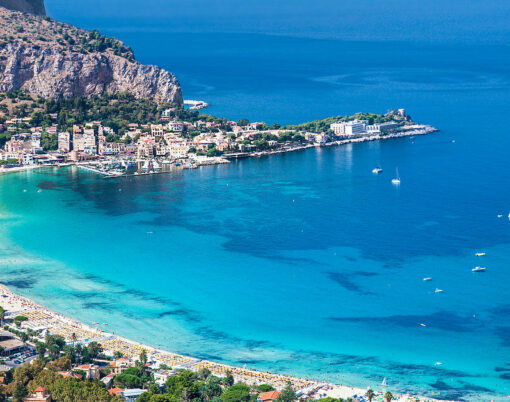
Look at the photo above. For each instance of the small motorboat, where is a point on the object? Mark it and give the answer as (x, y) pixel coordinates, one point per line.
(480, 254)
(438, 290)
(438, 363)
(377, 170)
(427, 279)
(479, 269)
(396, 180)
(500, 216)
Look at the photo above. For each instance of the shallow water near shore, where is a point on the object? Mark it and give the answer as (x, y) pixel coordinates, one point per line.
(303, 263)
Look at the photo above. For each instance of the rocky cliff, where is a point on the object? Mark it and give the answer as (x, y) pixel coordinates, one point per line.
(27, 6)
(53, 59)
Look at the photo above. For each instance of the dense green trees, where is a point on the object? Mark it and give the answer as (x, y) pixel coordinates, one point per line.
(27, 378)
(236, 393)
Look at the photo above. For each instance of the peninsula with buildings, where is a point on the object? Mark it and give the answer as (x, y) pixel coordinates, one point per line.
(118, 135)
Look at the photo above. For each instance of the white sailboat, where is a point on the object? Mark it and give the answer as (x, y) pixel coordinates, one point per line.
(383, 383)
(396, 180)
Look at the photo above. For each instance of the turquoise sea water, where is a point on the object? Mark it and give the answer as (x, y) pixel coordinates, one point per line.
(304, 263)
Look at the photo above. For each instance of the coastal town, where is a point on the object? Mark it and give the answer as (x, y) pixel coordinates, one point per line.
(178, 138)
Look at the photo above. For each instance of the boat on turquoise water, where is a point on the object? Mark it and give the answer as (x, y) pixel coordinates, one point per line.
(438, 290)
(480, 254)
(396, 180)
(156, 165)
(377, 170)
(427, 279)
(479, 269)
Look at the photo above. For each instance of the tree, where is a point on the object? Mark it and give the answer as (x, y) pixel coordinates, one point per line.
(143, 357)
(2, 316)
(127, 381)
(210, 389)
(203, 373)
(19, 319)
(265, 388)
(236, 393)
(229, 379)
(54, 351)
(288, 394)
(20, 392)
(243, 122)
(94, 349)
(370, 394)
(40, 348)
(388, 396)
(74, 338)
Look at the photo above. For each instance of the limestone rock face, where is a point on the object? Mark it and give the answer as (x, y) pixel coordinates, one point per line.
(44, 72)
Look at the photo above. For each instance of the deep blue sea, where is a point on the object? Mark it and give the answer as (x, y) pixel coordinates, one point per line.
(304, 263)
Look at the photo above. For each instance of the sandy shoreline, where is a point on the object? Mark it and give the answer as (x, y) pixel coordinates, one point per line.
(55, 323)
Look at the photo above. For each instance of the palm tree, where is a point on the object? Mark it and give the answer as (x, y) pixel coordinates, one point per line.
(370, 394)
(2, 316)
(388, 396)
(74, 338)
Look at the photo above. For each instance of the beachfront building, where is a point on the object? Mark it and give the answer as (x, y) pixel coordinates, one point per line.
(349, 128)
(382, 127)
(178, 148)
(64, 142)
(41, 395)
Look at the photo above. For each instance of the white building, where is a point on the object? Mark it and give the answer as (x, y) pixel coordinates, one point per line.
(178, 148)
(382, 127)
(175, 126)
(349, 128)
